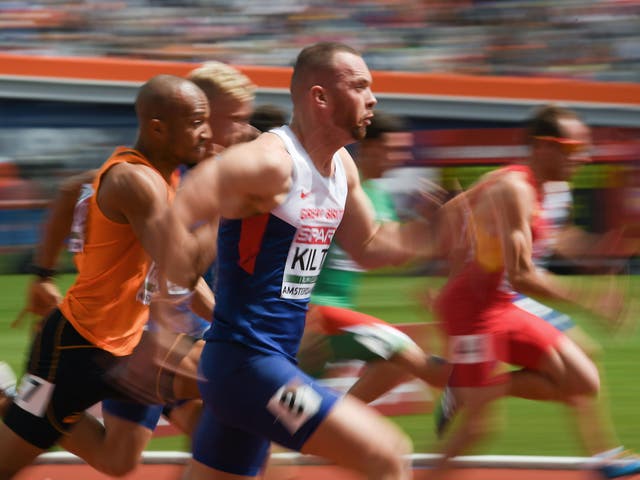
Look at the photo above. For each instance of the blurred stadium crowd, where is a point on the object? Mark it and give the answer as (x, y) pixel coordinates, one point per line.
(594, 39)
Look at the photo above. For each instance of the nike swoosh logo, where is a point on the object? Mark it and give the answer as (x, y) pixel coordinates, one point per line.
(304, 194)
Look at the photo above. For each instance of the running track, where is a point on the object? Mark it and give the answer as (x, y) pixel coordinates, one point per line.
(296, 467)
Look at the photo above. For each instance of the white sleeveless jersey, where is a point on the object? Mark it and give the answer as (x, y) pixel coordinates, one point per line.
(268, 264)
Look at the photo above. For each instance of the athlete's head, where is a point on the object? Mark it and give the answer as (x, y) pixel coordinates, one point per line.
(231, 95)
(173, 116)
(332, 84)
(559, 142)
(268, 116)
(387, 144)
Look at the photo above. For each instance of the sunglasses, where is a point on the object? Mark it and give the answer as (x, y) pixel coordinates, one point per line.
(568, 145)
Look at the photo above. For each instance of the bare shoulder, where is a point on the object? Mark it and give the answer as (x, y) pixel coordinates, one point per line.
(130, 186)
(350, 168)
(514, 184)
(73, 183)
(134, 176)
(264, 156)
(512, 192)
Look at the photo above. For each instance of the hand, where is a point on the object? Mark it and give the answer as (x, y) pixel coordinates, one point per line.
(427, 298)
(610, 301)
(42, 297)
(430, 198)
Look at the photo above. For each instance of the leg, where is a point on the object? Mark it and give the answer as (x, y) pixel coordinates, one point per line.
(199, 471)
(355, 437)
(392, 355)
(476, 423)
(377, 379)
(162, 368)
(270, 399)
(49, 401)
(185, 416)
(563, 373)
(115, 448)
(15, 453)
(185, 383)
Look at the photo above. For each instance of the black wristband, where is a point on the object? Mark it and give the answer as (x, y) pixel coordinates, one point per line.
(41, 272)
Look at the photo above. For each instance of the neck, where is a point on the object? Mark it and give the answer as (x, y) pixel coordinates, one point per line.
(164, 167)
(319, 146)
(538, 173)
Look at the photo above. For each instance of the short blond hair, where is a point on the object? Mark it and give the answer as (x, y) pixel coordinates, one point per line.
(217, 78)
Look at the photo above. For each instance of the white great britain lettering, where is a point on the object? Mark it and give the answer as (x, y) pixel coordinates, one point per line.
(321, 213)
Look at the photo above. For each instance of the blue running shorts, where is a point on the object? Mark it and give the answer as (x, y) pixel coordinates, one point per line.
(145, 415)
(252, 398)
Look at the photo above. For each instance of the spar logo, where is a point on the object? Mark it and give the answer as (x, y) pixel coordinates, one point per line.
(315, 235)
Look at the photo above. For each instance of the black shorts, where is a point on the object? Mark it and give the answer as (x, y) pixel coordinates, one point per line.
(66, 374)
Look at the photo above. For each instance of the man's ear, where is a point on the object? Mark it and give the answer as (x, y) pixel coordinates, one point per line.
(319, 94)
(157, 126)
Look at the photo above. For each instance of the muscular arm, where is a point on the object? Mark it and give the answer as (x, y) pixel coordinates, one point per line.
(574, 243)
(137, 195)
(247, 179)
(42, 293)
(203, 300)
(372, 244)
(59, 219)
(509, 204)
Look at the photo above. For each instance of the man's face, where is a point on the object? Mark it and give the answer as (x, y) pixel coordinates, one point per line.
(563, 155)
(188, 130)
(396, 149)
(571, 151)
(353, 100)
(229, 121)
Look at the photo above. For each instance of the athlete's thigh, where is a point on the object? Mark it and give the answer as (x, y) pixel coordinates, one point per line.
(562, 322)
(256, 397)
(126, 439)
(529, 338)
(353, 434)
(161, 369)
(357, 336)
(65, 376)
(145, 416)
(15, 452)
(224, 448)
(265, 394)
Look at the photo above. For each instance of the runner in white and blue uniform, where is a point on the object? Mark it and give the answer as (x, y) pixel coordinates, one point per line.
(282, 198)
(269, 264)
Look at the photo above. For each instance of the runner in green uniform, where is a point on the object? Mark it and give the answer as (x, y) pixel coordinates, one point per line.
(334, 331)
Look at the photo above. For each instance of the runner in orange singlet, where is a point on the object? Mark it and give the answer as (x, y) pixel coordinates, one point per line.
(100, 321)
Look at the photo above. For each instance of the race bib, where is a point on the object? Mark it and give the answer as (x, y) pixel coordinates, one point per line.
(304, 262)
(293, 404)
(34, 394)
(80, 212)
(471, 349)
(151, 286)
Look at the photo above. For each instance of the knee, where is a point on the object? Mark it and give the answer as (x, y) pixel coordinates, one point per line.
(6, 474)
(121, 465)
(587, 385)
(394, 461)
(118, 470)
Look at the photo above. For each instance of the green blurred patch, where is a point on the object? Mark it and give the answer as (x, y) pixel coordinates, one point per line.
(527, 427)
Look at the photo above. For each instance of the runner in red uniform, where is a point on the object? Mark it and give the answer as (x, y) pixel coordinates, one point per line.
(495, 230)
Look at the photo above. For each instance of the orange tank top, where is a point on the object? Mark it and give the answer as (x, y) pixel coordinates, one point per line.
(101, 304)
